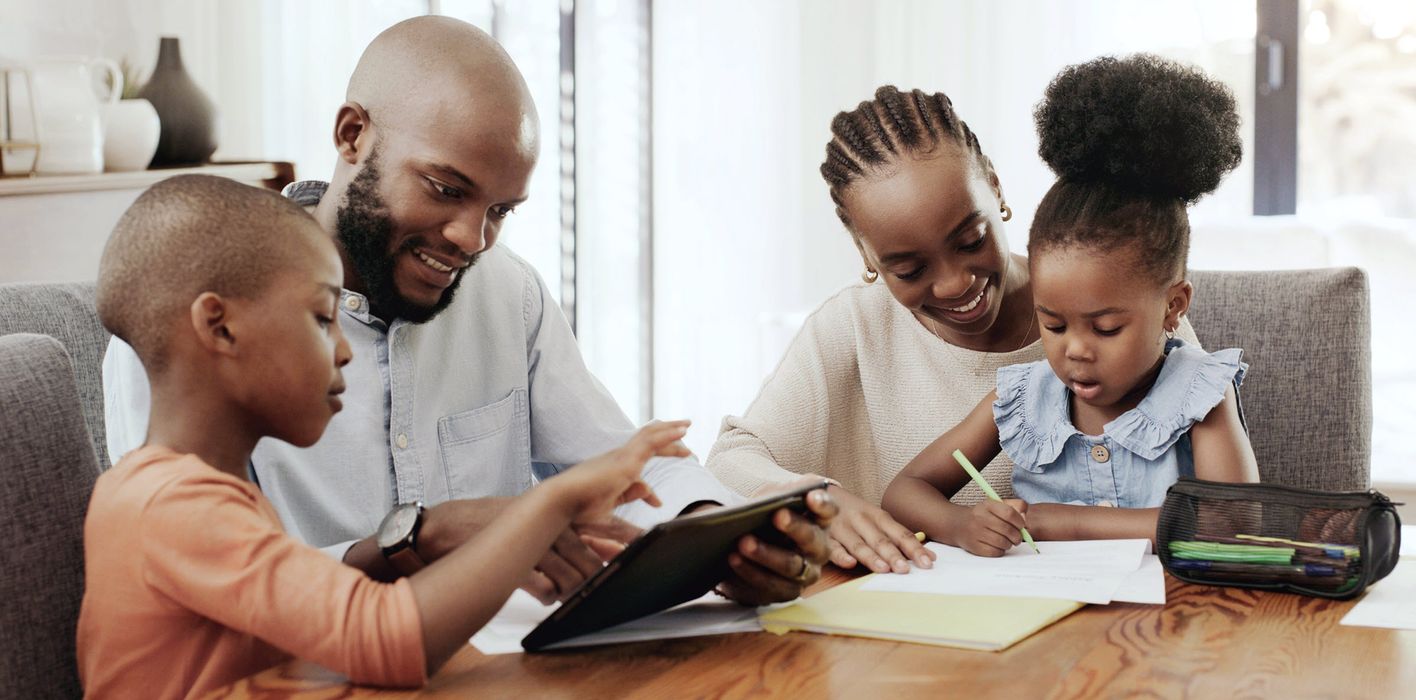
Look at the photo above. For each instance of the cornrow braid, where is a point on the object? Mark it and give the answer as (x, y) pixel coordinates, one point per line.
(895, 123)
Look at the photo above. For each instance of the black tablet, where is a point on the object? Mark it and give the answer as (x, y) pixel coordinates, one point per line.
(674, 562)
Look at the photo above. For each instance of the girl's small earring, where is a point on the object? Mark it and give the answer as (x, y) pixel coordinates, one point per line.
(1170, 334)
(870, 276)
(1007, 212)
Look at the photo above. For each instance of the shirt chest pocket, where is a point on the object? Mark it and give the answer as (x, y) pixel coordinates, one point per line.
(487, 451)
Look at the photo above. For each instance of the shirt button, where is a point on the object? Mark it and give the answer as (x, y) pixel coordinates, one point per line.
(352, 303)
(1100, 453)
(401, 441)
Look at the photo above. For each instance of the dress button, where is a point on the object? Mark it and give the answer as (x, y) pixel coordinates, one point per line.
(352, 302)
(401, 441)
(1100, 453)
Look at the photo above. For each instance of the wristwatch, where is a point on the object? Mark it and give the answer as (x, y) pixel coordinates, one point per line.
(398, 537)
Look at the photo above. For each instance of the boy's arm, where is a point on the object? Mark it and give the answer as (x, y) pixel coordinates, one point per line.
(452, 611)
(919, 495)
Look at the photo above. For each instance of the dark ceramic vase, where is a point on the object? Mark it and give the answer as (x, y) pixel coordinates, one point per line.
(188, 116)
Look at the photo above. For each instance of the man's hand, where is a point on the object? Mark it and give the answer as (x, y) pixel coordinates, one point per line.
(577, 554)
(764, 573)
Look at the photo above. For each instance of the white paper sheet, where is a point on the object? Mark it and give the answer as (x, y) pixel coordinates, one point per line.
(1390, 602)
(1408, 541)
(1090, 571)
(1144, 585)
(707, 615)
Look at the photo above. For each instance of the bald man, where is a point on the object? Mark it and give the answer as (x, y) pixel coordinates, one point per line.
(466, 385)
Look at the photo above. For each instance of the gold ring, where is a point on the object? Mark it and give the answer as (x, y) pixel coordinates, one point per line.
(805, 571)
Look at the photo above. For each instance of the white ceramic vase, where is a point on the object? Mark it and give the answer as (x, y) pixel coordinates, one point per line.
(130, 133)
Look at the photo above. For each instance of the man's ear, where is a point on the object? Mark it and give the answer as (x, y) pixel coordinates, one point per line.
(1177, 303)
(351, 131)
(210, 317)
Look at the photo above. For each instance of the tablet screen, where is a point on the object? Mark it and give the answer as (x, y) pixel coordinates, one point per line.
(675, 561)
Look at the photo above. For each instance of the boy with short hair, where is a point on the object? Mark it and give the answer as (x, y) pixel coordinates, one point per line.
(228, 294)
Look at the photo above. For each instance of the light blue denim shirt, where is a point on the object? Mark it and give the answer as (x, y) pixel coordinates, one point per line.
(1137, 456)
(483, 400)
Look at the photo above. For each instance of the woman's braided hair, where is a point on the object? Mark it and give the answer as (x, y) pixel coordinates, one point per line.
(879, 131)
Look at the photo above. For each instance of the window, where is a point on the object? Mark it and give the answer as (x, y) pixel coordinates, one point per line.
(1356, 151)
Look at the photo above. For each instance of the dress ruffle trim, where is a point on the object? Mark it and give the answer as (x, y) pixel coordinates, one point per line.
(1149, 430)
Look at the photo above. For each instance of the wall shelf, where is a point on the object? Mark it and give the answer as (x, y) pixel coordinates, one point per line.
(272, 174)
(53, 227)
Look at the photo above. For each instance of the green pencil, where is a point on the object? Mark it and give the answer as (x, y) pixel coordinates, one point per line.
(988, 491)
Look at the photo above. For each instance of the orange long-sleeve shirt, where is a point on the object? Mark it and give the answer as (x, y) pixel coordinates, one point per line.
(192, 583)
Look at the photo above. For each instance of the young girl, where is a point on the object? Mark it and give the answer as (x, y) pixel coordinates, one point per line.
(1120, 409)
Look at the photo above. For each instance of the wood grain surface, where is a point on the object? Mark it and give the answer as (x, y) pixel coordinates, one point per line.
(1204, 643)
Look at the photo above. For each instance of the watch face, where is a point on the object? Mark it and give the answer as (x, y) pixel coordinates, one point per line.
(398, 525)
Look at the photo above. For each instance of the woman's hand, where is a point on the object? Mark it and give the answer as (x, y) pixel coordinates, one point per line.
(865, 534)
(993, 527)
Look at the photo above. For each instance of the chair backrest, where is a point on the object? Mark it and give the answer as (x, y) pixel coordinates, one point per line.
(1307, 399)
(67, 313)
(49, 469)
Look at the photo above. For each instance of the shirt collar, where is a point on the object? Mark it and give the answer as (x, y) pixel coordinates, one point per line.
(306, 193)
(356, 305)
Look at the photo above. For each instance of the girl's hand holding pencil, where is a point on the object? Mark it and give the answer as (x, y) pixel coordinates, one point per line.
(994, 527)
(983, 526)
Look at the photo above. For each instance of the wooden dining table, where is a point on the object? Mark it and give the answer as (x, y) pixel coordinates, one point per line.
(1205, 642)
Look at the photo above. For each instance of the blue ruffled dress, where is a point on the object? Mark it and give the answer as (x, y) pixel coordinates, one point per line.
(1137, 456)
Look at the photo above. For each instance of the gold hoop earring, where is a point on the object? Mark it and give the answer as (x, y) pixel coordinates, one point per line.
(870, 276)
(1007, 212)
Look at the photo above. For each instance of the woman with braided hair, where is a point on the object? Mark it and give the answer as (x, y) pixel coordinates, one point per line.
(882, 368)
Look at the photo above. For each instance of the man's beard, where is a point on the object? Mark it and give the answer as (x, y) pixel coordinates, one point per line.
(364, 228)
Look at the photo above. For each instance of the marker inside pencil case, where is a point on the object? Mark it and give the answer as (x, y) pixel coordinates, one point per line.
(1347, 551)
(1317, 549)
(1265, 569)
(1241, 553)
(1264, 574)
(1336, 561)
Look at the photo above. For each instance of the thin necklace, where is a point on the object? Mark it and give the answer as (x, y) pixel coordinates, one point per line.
(1027, 333)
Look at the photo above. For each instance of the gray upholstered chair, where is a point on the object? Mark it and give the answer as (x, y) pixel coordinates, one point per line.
(49, 469)
(65, 312)
(1307, 400)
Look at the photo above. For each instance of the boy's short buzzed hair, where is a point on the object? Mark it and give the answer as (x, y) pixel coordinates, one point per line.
(188, 235)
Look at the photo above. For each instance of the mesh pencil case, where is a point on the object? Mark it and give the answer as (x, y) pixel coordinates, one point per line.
(1278, 538)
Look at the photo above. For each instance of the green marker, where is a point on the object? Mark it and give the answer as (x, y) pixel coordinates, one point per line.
(988, 491)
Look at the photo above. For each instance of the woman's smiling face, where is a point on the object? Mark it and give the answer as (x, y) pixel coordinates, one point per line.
(931, 227)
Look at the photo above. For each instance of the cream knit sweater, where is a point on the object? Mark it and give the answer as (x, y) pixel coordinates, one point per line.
(862, 389)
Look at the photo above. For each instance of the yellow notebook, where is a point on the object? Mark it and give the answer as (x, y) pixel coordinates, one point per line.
(989, 623)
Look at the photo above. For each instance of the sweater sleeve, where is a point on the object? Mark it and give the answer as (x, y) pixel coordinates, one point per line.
(208, 547)
(784, 433)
